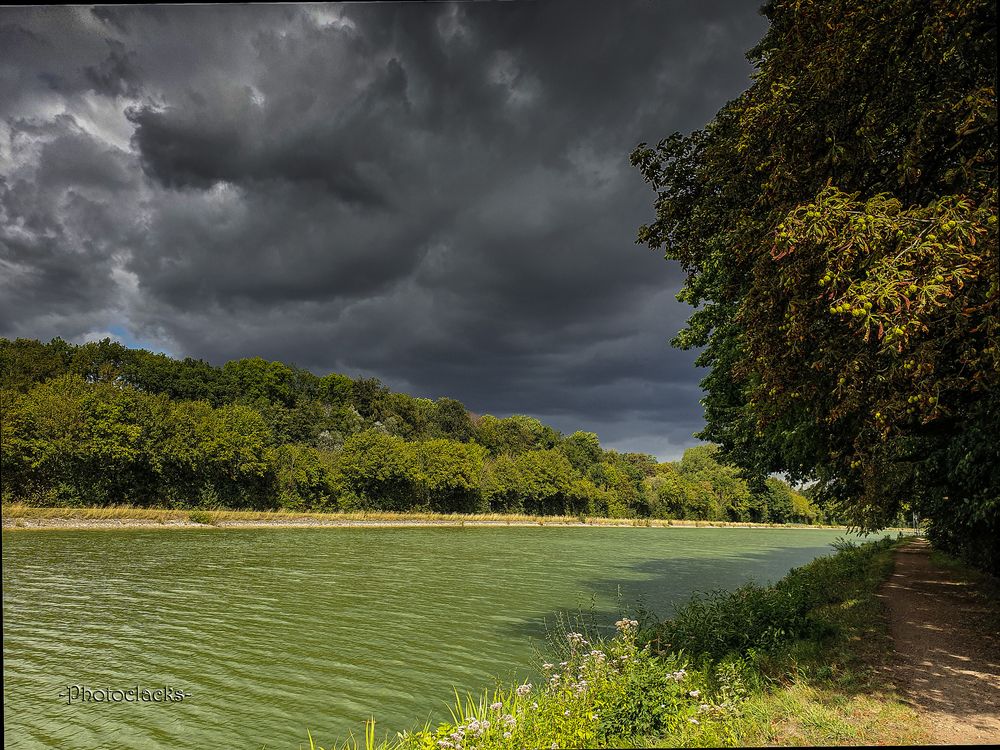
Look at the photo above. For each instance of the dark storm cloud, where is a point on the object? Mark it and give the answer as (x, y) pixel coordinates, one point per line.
(116, 75)
(434, 194)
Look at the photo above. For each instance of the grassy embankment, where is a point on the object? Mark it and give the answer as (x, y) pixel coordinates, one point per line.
(19, 515)
(796, 663)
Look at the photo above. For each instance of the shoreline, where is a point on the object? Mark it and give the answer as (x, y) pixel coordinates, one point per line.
(26, 518)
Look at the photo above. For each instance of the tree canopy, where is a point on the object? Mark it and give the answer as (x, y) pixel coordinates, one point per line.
(838, 226)
(104, 424)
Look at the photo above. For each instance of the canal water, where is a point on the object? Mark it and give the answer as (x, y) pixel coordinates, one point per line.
(269, 633)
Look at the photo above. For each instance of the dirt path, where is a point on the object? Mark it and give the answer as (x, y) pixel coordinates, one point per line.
(947, 663)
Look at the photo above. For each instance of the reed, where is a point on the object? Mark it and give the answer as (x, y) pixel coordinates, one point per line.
(20, 512)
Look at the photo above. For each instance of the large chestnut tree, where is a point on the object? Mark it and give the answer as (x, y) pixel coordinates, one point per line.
(838, 226)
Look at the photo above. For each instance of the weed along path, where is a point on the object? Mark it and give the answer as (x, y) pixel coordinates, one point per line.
(947, 660)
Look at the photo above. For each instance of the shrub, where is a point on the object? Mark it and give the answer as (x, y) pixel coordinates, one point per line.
(716, 624)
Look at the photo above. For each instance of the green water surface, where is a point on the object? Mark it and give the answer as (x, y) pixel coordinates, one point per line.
(273, 631)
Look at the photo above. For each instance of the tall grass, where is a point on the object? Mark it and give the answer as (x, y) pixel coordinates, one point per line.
(22, 512)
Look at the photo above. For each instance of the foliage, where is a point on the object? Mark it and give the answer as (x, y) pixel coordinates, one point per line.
(447, 475)
(721, 624)
(515, 434)
(103, 424)
(199, 516)
(376, 471)
(597, 694)
(583, 450)
(838, 225)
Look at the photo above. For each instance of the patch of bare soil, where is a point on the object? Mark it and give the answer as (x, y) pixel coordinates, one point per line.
(947, 656)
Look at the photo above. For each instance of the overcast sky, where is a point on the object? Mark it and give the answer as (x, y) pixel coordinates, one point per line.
(438, 195)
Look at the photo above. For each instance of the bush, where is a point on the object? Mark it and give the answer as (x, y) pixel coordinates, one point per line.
(200, 516)
(717, 624)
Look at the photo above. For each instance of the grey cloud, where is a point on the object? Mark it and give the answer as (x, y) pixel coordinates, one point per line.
(116, 75)
(435, 194)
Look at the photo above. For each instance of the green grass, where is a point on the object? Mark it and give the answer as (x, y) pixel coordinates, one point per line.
(200, 516)
(826, 688)
(22, 515)
(792, 664)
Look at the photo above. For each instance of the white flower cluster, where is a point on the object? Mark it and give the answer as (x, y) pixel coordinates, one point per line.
(476, 728)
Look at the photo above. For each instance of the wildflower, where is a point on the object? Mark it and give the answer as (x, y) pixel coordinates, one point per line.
(534, 705)
(694, 720)
(509, 720)
(563, 663)
(555, 746)
(704, 707)
(524, 689)
(482, 726)
(506, 735)
(593, 716)
(546, 666)
(694, 693)
(566, 712)
(496, 706)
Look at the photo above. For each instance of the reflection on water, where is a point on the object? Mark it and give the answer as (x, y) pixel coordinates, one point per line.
(273, 631)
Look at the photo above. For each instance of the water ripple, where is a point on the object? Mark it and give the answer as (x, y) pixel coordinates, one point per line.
(273, 631)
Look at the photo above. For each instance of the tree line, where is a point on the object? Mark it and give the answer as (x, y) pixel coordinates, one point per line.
(101, 423)
(838, 225)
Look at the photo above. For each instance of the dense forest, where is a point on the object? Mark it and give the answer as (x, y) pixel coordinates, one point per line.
(838, 225)
(100, 423)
